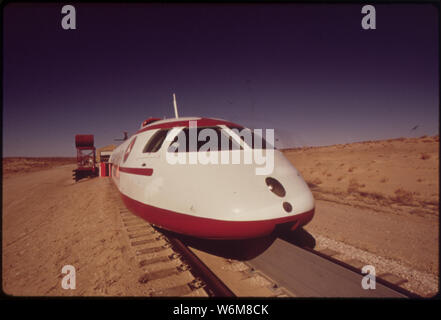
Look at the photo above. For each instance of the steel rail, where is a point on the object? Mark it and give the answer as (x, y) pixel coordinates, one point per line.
(214, 286)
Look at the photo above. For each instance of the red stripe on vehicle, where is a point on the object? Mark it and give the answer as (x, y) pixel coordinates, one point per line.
(211, 228)
(202, 122)
(140, 171)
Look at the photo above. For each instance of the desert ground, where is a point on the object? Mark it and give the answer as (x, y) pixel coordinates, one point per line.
(397, 175)
(378, 196)
(14, 166)
(376, 201)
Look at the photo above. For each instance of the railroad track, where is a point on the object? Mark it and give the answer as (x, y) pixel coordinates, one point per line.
(169, 268)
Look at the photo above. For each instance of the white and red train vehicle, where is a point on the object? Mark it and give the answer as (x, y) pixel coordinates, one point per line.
(215, 201)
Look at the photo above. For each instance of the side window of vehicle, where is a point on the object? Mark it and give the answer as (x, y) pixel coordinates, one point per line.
(155, 142)
(129, 149)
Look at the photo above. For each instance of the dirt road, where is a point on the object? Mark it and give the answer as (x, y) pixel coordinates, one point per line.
(48, 222)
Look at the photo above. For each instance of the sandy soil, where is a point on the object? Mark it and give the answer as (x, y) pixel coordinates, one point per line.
(411, 239)
(48, 222)
(14, 166)
(398, 175)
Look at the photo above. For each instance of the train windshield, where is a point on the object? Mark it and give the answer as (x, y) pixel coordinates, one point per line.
(216, 139)
(203, 139)
(251, 138)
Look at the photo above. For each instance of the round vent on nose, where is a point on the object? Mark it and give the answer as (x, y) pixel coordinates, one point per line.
(275, 187)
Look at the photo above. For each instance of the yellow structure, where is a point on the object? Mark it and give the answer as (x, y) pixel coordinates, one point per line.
(103, 153)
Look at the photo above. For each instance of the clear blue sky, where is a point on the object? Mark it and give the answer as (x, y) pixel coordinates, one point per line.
(308, 71)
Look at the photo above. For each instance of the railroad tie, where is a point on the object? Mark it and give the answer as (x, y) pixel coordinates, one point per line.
(181, 290)
(141, 242)
(139, 235)
(152, 250)
(164, 273)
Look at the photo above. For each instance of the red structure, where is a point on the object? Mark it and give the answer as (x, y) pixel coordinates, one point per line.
(104, 169)
(85, 157)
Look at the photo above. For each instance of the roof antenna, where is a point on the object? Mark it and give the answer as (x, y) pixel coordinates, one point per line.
(176, 106)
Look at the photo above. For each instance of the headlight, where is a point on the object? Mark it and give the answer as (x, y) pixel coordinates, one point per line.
(287, 206)
(275, 187)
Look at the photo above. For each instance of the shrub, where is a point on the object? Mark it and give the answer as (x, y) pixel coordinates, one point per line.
(354, 186)
(403, 196)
